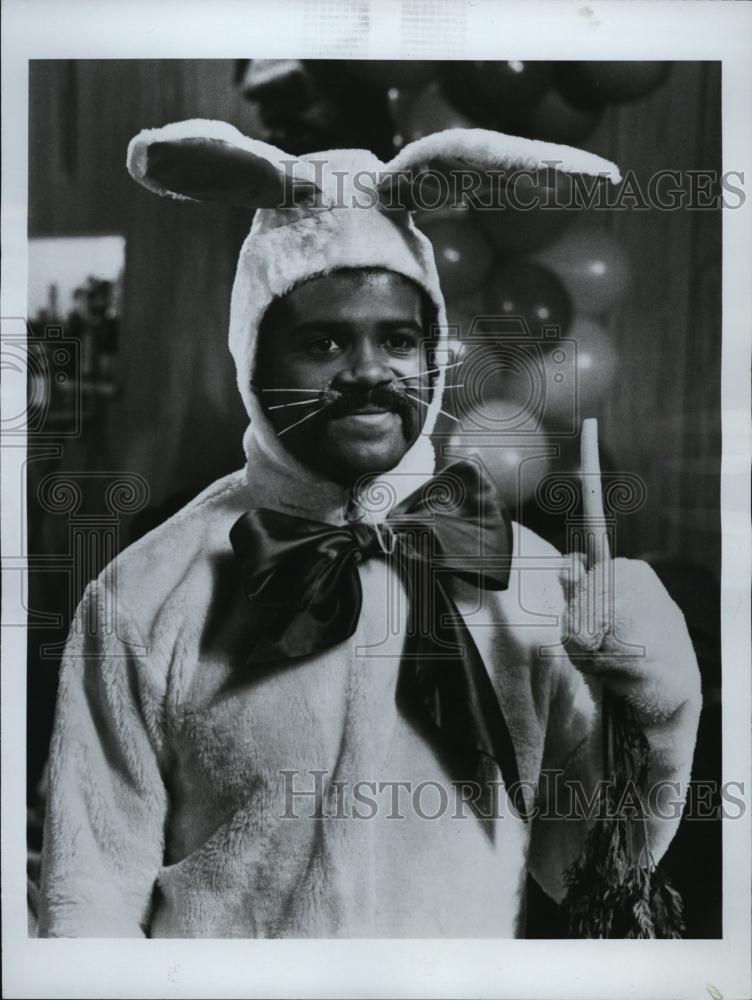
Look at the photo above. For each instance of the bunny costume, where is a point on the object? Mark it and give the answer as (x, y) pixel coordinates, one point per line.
(193, 796)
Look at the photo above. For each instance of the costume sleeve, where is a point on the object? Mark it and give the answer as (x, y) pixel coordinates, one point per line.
(104, 827)
(573, 760)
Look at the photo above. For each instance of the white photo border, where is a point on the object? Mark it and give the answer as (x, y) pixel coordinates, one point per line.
(544, 29)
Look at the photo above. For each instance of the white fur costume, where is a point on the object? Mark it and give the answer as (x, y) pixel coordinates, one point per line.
(167, 812)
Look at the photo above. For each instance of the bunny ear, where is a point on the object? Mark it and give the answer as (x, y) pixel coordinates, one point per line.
(203, 160)
(486, 151)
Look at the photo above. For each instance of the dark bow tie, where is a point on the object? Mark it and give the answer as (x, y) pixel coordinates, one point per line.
(304, 575)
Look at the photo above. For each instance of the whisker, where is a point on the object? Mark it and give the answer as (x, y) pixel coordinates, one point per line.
(429, 388)
(298, 402)
(301, 421)
(446, 414)
(291, 390)
(430, 371)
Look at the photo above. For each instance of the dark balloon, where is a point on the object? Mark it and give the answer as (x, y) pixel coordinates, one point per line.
(593, 83)
(593, 266)
(496, 93)
(555, 119)
(529, 213)
(461, 316)
(533, 294)
(463, 256)
(425, 112)
(444, 212)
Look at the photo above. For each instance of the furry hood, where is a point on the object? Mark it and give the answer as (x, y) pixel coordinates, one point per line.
(316, 214)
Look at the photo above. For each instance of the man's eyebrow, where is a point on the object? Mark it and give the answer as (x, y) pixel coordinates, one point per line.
(307, 325)
(401, 324)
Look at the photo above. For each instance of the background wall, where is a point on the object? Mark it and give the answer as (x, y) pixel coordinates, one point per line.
(178, 420)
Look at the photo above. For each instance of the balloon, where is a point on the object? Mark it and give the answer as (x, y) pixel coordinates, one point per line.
(393, 72)
(597, 363)
(592, 265)
(428, 111)
(495, 93)
(463, 256)
(531, 293)
(600, 82)
(555, 119)
(514, 452)
(462, 313)
(512, 226)
(575, 375)
(459, 214)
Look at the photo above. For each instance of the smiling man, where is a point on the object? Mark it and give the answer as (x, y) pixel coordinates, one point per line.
(320, 700)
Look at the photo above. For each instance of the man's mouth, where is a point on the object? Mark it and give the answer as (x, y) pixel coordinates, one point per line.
(374, 419)
(366, 422)
(365, 411)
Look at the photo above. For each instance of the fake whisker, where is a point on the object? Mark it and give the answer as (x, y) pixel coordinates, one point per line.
(446, 368)
(301, 421)
(298, 402)
(446, 414)
(429, 388)
(430, 371)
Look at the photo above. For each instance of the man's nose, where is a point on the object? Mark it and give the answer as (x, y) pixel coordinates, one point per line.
(366, 366)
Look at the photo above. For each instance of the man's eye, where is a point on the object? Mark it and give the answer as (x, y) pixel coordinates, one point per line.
(322, 346)
(401, 343)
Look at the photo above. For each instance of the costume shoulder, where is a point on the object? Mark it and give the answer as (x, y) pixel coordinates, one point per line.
(173, 565)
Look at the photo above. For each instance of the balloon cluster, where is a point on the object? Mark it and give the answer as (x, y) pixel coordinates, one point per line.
(550, 269)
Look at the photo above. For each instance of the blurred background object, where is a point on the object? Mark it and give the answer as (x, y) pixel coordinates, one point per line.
(314, 104)
(558, 312)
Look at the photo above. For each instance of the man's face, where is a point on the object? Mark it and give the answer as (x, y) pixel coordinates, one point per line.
(341, 371)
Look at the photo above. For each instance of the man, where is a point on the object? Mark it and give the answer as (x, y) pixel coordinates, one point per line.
(278, 762)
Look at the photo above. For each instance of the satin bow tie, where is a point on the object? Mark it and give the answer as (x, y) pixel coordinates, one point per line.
(304, 574)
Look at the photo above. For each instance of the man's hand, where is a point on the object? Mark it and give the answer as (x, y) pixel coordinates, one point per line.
(622, 626)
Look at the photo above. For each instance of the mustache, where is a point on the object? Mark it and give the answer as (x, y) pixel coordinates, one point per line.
(392, 396)
(329, 402)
